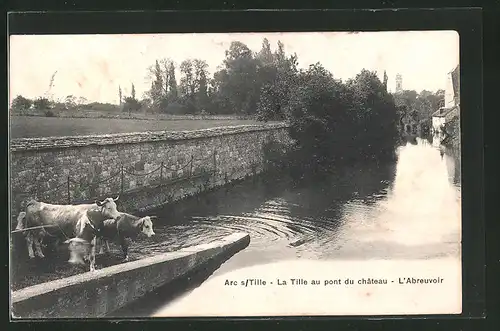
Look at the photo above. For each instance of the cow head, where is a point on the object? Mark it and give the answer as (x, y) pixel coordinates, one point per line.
(108, 208)
(21, 221)
(79, 249)
(147, 226)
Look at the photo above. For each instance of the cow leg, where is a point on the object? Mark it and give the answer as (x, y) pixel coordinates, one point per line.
(105, 245)
(92, 254)
(56, 244)
(38, 247)
(124, 245)
(101, 245)
(29, 243)
(39, 238)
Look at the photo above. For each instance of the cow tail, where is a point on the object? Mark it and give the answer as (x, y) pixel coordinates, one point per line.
(82, 224)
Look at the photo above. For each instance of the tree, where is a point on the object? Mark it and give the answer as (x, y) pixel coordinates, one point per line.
(187, 86)
(82, 101)
(187, 83)
(237, 79)
(156, 92)
(172, 83)
(219, 97)
(120, 98)
(201, 84)
(385, 80)
(131, 104)
(265, 55)
(41, 103)
(279, 78)
(70, 102)
(21, 103)
(133, 92)
(332, 121)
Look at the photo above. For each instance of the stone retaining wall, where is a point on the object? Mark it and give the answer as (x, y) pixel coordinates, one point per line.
(147, 169)
(96, 294)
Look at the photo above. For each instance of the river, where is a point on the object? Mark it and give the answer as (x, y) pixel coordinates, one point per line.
(407, 211)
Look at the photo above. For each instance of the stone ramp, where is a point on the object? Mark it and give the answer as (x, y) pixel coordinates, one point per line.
(96, 294)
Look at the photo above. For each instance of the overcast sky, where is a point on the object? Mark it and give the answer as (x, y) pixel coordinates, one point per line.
(93, 66)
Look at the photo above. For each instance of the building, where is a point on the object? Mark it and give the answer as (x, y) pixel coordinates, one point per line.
(451, 106)
(442, 116)
(399, 83)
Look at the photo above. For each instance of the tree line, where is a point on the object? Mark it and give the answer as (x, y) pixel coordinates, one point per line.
(71, 102)
(241, 85)
(330, 119)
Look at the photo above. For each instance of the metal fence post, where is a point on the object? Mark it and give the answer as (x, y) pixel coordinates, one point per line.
(69, 193)
(215, 161)
(122, 183)
(191, 166)
(161, 172)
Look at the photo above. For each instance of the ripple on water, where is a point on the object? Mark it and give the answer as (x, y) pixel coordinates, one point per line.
(410, 210)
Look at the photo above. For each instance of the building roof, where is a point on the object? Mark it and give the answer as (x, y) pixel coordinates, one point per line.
(442, 112)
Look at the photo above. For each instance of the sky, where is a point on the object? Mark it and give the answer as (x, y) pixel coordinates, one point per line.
(94, 66)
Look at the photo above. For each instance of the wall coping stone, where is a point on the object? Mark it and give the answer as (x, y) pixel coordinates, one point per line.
(27, 144)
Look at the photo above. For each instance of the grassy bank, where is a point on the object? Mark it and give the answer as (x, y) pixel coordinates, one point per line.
(89, 113)
(32, 126)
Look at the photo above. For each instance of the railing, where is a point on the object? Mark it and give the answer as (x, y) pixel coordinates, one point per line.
(72, 185)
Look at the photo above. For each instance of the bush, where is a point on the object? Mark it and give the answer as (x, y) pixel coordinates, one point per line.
(276, 155)
(341, 122)
(41, 104)
(21, 103)
(131, 105)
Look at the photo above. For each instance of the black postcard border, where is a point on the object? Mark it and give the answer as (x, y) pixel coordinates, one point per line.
(468, 23)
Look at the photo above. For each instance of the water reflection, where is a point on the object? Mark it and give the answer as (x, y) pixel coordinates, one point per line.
(409, 210)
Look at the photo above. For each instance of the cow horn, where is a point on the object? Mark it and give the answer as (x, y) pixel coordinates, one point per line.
(117, 197)
(98, 203)
(153, 217)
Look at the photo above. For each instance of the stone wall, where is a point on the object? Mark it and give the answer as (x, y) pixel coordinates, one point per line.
(99, 293)
(147, 169)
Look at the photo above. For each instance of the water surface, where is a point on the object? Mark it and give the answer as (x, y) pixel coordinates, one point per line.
(409, 210)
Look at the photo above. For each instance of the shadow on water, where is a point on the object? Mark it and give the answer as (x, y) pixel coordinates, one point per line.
(280, 214)
(172, 290)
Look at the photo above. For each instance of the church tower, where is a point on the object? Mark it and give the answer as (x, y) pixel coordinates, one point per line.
(399, 83)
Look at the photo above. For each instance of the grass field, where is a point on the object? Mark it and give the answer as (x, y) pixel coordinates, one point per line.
(30, 127)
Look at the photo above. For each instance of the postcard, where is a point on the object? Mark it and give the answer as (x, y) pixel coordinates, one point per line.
(235, 174)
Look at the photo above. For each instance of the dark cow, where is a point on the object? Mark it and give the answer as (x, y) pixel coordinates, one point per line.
(124, 227)
(62, 221)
